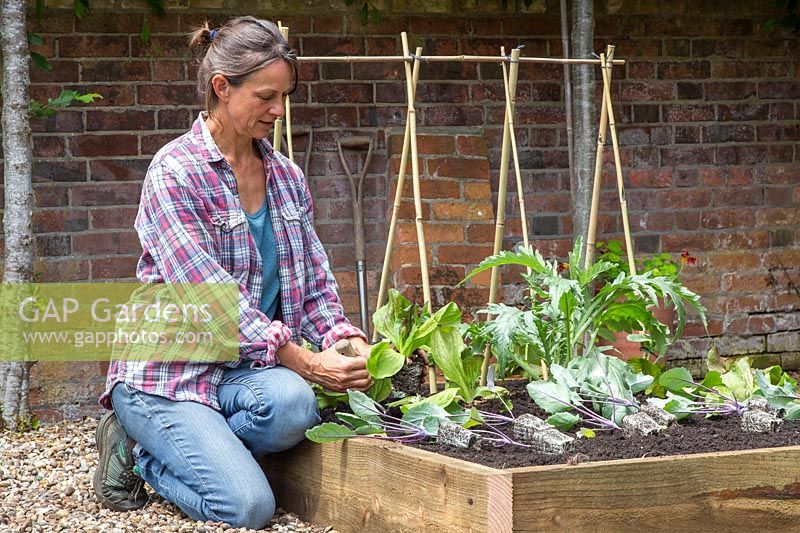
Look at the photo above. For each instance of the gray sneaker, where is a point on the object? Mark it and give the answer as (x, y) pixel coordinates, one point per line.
(116, 480)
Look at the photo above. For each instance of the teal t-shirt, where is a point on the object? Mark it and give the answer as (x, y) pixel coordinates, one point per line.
(264, 236)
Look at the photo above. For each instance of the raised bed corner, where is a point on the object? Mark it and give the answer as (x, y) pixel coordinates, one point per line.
(364, 485)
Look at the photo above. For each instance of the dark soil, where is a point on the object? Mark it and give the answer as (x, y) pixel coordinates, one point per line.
(692, 435)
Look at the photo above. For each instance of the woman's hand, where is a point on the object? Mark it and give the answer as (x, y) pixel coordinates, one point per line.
(360, 346)
(327, 368)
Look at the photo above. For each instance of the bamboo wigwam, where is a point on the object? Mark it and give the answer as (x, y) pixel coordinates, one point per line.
(398, 198)
(502, 190)
(451, 59)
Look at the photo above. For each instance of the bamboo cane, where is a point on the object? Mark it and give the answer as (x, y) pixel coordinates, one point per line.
(454, 59)
(623, 204)
(398, 198)
(277, 129)
(598, 166)
(501, 203)
(423, 255)
(567, 91)
(510, 105)
(288, 107)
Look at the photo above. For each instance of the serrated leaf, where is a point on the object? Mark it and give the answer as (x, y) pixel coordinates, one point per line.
(329, 432)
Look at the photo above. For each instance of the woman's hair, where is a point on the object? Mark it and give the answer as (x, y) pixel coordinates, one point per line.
(236, 50)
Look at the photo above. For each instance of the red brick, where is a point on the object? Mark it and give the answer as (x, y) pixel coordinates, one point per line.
(460, 211)
(116, 218)
(747, 283)
(52, 221)
(171, 95)
(169, 70)
(683, 199)
(723, 133)
(104, 145)
(456, 167)
(727, 218)
(478, 190)
(114, 268)
(118, 169)
(121, 242)
(153, 143)
(430, 189)
(687, 156)
(331, 46)
(739, 196)
(647, 91)
(439, 275)
(341, 93)
(779, 90)
(678, 242)
(688, 113)
(407, 211)
(739, 90)
(120, 120)
(650, 222)
(48, 146)
(50, 196)
(463, 255)
(650, 178)
(778, 174)
(426, 144)
(92, 71)
(445, 115)
(174, 119)
(61, 72)
(726, 261)
(434, 233)
(124, 194)
(93, 46)
(472, 146)
(781, 216)
(61, 122)
(61, 270)
(736, 69)
(684, 70)
(109, 23)
(742, 239)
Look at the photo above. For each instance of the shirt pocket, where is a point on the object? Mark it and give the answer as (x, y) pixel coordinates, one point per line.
(231, 235)
(292, 219)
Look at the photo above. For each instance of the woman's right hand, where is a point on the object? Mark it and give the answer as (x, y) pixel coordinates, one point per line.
(338, 372)
(328, 368)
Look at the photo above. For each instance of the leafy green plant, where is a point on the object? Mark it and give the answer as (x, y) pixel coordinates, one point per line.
(659, 265)
(570, 309)
(64, 99)
(597, 390)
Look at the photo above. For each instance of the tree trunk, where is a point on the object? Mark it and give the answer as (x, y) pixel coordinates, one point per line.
(18, 191)
(584, 116)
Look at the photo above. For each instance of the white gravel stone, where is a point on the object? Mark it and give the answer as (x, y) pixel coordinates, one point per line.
(46, 485)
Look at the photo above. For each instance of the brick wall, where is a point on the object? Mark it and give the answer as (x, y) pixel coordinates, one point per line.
(706, 108)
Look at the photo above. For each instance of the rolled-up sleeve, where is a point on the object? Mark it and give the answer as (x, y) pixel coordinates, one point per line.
(175, 228)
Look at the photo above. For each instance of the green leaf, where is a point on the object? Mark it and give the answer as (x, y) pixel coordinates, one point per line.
(34, 39)
(586, 433)
(739, 379)
(40, 61)
(329, 432)
(144, 33)
(442, 398)
(552, 397)
(157, 6)
(39, 10)
(446, 346)
(675, 379)
(363, 406)
(87, 98)
(353, 420)
(80, 8)
(427, 416)
(383, 361)
(380, 390)
(563, 421)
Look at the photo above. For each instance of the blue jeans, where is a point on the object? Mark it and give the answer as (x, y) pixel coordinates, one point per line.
(204, 461)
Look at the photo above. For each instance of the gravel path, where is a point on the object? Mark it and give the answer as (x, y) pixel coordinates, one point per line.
(46, 485)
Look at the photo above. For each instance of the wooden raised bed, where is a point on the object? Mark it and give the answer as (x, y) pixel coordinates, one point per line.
(363, 485)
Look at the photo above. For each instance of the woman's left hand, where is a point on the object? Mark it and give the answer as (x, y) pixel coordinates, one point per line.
(360, 346)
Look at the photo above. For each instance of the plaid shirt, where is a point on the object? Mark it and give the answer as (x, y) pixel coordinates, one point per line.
(193, 230)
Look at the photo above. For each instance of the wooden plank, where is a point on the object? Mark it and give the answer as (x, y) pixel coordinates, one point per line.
(367, 485)
(752, 490)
